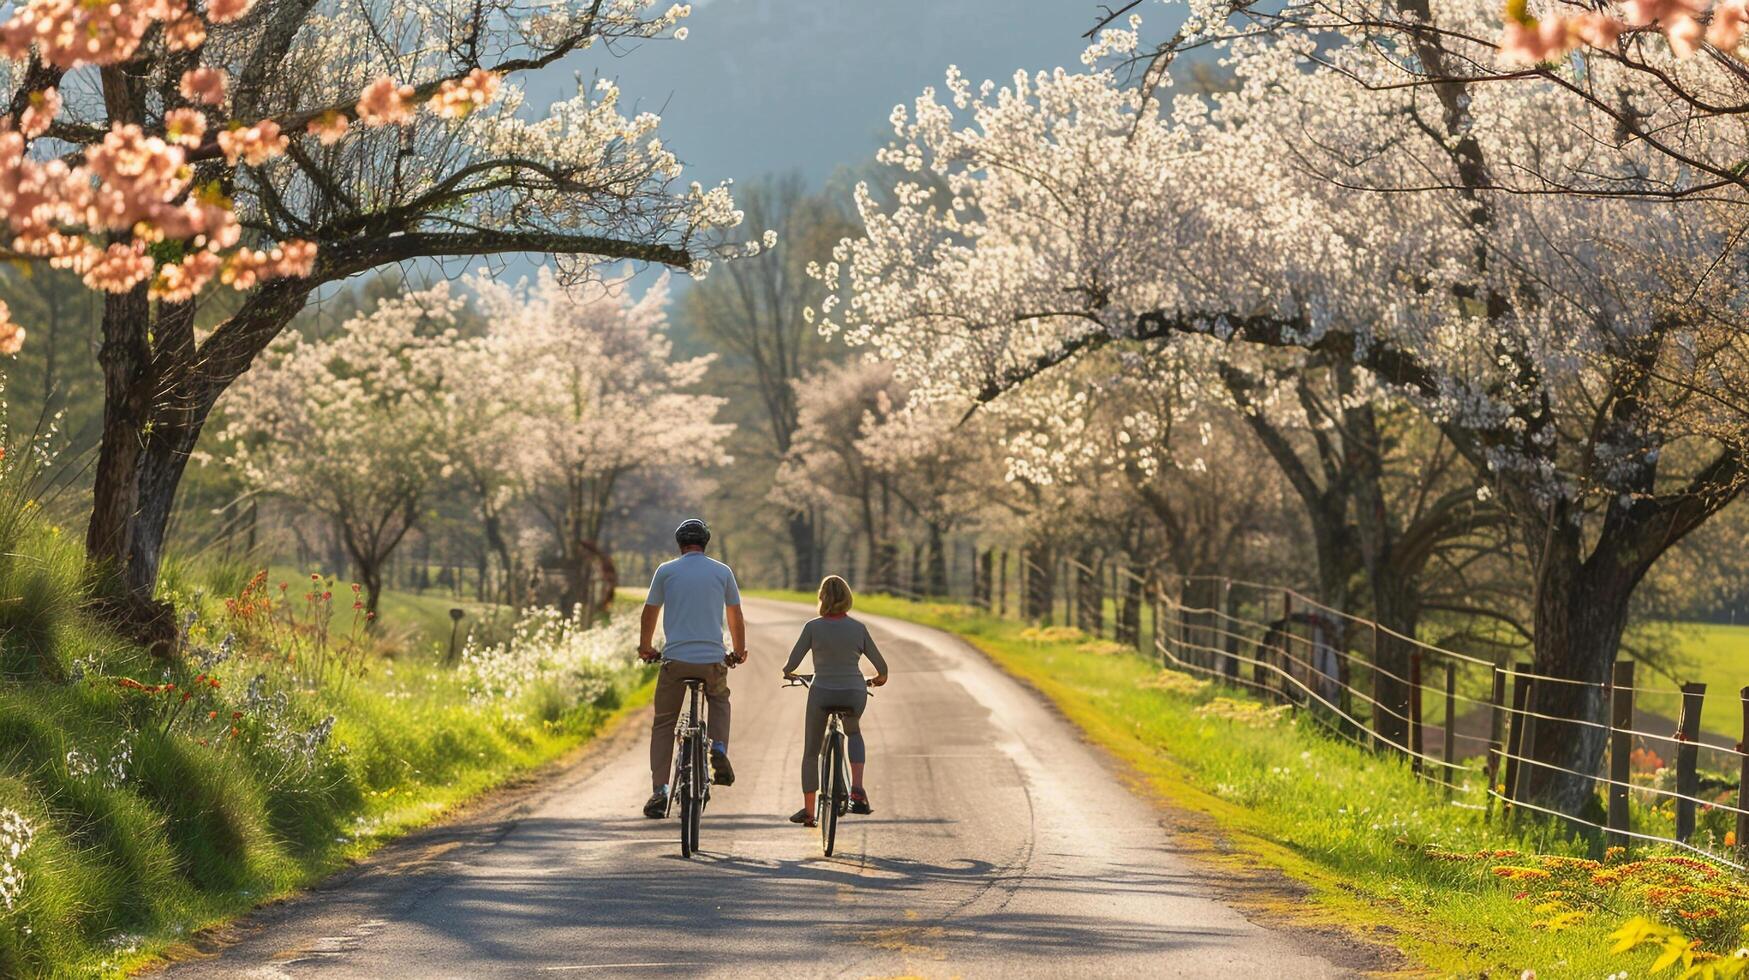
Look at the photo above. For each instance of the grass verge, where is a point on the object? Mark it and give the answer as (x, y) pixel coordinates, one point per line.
(142, 800)
(1375, 850)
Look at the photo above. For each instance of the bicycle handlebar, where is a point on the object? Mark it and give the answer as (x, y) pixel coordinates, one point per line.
(807, 681)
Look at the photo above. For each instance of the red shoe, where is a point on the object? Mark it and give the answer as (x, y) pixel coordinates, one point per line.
(859, 802)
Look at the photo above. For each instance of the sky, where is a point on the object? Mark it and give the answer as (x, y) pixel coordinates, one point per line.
(772, 86)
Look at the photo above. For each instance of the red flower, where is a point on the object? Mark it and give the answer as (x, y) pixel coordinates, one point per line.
(211, 715)
(235, 715)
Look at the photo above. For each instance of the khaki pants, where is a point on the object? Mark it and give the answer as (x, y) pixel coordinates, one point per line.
(671, 697)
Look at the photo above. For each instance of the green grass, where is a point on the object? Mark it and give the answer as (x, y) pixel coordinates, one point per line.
(151, 819)
(1359, 831)
(1714, 654)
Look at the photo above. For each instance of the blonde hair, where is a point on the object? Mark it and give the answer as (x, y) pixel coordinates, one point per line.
(835, 597)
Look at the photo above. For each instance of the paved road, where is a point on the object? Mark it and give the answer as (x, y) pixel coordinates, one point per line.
(1000, 846)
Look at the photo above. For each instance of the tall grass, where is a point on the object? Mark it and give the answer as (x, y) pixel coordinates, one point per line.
(148, 798)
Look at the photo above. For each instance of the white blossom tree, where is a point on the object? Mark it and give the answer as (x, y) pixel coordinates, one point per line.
(355, 426)
(1593, 381)
(590, 391)
(161, 150)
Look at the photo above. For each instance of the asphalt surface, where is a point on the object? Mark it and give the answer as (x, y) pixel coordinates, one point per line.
(1000, 846)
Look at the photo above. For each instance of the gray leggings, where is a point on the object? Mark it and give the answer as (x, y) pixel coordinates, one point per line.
(818, 701)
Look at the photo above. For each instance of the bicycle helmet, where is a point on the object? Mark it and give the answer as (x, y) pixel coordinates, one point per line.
(692, 531)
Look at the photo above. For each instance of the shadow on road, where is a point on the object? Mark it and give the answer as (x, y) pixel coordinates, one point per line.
(548, 886)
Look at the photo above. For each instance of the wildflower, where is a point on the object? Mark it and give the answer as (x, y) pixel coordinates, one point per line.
(16, 834)
(1730, 838)
(211, 715)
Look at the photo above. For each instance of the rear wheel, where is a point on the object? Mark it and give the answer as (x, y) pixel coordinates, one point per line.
(688, 801)
(700, 789)
(830, 782)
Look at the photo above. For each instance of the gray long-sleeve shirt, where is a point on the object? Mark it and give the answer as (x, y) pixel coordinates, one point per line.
(839, 643)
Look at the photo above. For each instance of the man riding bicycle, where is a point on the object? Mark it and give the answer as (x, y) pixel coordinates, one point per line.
(693, 595)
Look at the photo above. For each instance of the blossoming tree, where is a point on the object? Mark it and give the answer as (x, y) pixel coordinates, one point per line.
(588, 391)
(269, 147)
(1594, 383)
(354, 426)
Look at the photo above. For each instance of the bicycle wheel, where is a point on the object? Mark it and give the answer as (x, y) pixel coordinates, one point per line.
(700, 789)
(829, 788)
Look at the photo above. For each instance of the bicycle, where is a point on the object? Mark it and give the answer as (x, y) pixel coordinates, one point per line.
(692, 781)
(833, 799)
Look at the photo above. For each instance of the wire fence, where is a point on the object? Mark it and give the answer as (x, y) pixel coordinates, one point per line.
(1483, 730)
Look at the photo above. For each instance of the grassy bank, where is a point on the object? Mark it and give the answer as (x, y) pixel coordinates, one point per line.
(148, 798)
(1378, 851)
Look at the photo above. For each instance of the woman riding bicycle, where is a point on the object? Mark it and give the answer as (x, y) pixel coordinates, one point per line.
(838, 643)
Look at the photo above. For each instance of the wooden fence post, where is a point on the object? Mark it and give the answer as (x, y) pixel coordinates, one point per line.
(1496, 730)
(1743, 782)
(1416, 749)
(1378, 740)
(1515, 731)
(1621, 747)
(1002, 587)
(1526, 738)
(1450, 753)
(1687, 753)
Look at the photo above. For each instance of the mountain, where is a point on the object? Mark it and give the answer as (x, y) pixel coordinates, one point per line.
(769, 86)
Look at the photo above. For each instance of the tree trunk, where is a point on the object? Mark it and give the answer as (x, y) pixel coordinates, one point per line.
(1089, 595)
(493, 526)
(1578, 631)
(370, 574)
(1129, 617)
(1395, 606)
(145, 445)
(937, 560)
(804, 549)
(1039, 565)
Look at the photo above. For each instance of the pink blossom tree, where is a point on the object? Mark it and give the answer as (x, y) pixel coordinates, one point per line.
(271, 147)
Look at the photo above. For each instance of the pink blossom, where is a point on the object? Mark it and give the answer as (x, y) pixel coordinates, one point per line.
(1726, 30)
(295, 258)
(204, 85)
(328, 127)
(1645, 13)
(382, 103)
(11, 334)
(1600, 30)
(1684, 34)
(456, 98)
(178, 282)
(43, 108)
(1536, 43)
(225, 11)
(255, 144)
(185, 126)
(121, 267)
(66, 33)
(185, 33)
